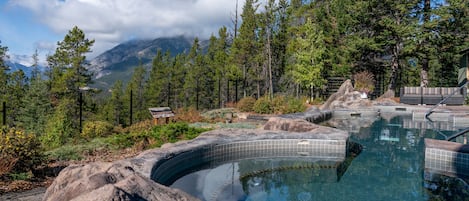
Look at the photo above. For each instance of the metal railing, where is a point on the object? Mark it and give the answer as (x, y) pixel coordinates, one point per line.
(431, 110)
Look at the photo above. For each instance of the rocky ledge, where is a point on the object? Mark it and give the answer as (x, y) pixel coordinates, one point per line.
(131, 179)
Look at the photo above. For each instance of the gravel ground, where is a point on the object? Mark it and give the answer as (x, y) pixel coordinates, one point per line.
(30, 195)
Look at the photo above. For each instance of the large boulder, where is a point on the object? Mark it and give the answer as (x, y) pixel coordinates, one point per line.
(108, 181)
(346, 98)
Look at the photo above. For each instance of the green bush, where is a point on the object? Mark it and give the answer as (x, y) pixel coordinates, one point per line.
(120, 141)
(19, 151)
(294, 105)
(263, 106)
(60, 127)
(246, 104)
(20, 176)
(65, 153)
(278, 104)
(158, 135)
(92, 129)
(79, 151)
(174, 132)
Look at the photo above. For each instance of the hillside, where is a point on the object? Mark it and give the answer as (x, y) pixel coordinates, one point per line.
(119, 62)
(14, 66)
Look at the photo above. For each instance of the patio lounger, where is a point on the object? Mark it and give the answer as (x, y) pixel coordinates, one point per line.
(431, 95)
(411, 95)
(457, 99)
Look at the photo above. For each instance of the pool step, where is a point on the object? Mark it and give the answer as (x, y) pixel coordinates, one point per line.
(447, 158)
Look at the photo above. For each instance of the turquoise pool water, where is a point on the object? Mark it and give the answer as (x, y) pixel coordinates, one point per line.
(389, 167)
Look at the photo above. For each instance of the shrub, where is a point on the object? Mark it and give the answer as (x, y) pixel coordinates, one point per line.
(79, 151)
(92, 129)
(60, 127)
(139, 126)
(279, 104)
(364, 81)
(160, 134)
(19, 151)
(20, 176)
(263, 106)
(189, 115)
(294, 105)
(246, 104)
(219, 114)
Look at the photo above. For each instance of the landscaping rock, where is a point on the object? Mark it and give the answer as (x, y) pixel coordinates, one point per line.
(291, 125)
(108, 181)
(346, 98)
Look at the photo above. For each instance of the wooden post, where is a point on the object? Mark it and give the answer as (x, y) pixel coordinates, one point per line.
(81, 111)
(131, 96)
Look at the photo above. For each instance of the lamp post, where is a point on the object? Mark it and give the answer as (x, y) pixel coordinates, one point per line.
(82, 89)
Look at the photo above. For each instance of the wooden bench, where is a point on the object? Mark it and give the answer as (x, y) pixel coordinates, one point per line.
(161, 112)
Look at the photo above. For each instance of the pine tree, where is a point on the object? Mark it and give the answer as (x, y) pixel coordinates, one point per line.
(3, 78)
(309, 65)
(218, 57)
(17, 87)
(36, 106)
(453, 34)
(178, 81)
(381, 30)
(194, 75)
(136, 89)
(115, 106)
(214, 65)
(279, 42)
(244, 46)
(67, 71)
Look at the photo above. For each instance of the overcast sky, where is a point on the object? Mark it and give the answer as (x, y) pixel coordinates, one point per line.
(27, 25)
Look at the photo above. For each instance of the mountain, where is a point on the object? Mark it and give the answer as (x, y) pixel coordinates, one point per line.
(119, 62)
(14, 66)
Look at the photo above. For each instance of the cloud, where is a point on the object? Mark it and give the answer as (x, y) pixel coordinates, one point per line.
(111, 22)
(24, 60)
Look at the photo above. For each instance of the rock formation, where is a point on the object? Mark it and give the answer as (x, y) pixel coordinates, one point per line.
(345, 98)
(109, 181)
(291, 125)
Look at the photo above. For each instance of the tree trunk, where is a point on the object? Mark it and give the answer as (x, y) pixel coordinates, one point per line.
(424, 73)
(426, 19)
(393, 78)
(227, 90)
(269, 55)
(219, 93)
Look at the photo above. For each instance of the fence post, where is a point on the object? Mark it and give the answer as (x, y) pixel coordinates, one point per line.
(131, 106)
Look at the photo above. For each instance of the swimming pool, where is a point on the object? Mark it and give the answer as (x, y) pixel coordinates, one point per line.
(389, 167)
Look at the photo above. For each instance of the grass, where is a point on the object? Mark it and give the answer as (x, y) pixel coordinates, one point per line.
(139, 138)
(20, 176)
(219, 125)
